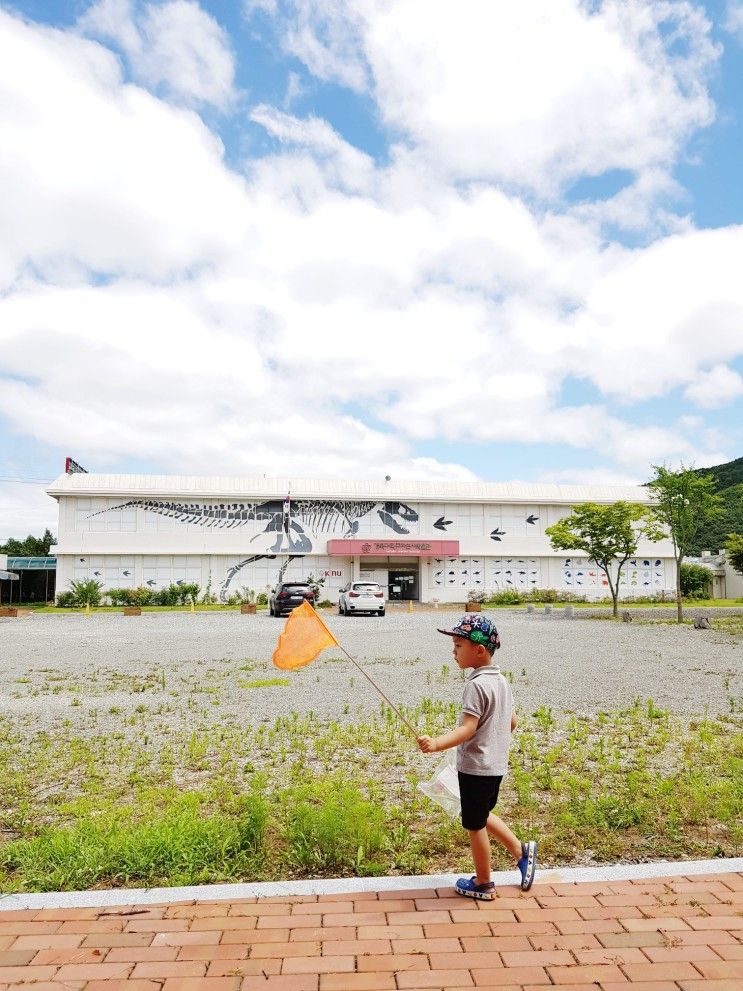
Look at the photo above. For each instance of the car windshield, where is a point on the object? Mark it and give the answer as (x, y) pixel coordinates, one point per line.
(366, 587)
(296, 588)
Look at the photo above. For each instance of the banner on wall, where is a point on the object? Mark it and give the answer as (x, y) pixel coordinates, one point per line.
(391, 548)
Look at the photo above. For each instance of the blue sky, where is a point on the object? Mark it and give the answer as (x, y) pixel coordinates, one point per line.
(353, 238)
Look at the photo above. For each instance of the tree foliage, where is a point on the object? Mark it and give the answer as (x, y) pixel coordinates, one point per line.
(684, 501)
(607, 535)
(734, 548)
(695, 581)
(30, 547)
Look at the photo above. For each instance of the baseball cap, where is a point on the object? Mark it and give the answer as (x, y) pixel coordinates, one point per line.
(479, 629)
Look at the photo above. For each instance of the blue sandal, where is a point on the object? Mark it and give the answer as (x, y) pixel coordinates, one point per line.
(528, 864)
(468, 887)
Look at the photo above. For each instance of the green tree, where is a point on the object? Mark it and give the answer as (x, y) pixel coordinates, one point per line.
(30, 547)
(734, 549)
(695, 581)
(608, 535)
(684, 501)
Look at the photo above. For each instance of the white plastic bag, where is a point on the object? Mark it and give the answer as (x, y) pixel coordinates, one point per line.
(443, 787)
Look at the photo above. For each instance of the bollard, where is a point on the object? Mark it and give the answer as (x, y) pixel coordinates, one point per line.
(410, 605)
(568, 612)
(548, 610)
(530, 608)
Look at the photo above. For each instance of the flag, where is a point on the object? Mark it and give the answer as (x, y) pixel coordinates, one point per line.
(304, 636)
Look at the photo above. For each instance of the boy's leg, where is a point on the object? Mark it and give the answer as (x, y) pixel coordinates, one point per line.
(480, 846)
(500, 831)
(525, 853)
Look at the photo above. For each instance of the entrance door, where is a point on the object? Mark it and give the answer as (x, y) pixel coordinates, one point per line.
(403, 585)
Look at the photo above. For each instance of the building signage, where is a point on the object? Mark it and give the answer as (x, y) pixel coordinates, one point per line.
(407, 548)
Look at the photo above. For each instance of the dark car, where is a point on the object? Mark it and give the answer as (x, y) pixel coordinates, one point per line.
(289, 595)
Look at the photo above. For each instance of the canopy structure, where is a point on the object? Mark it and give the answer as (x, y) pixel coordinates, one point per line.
(32, 563)
(32, 578)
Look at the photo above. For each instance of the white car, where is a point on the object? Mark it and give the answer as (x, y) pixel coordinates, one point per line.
(357, 597)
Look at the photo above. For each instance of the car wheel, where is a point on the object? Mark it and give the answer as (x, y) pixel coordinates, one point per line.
(340, 609)
(381, 612)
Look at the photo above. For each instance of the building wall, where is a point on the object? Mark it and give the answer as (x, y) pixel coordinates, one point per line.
(127, 542)
(733, 582)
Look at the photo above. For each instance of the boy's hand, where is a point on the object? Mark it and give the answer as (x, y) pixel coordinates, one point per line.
(426, 744)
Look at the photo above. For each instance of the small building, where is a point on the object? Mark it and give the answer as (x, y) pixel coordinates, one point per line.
(726, 583)
(422, 540)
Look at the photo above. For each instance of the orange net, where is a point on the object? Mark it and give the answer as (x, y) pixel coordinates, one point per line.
(304, 636)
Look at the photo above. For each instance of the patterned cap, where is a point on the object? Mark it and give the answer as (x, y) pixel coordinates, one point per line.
(478, 628)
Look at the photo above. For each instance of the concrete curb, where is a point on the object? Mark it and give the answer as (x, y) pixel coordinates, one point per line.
(333, 886)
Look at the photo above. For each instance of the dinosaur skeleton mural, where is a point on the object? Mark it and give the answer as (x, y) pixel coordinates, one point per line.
(292, 538)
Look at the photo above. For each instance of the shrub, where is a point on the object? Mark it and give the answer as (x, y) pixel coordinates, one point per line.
(168, 596)
(695, 581)
(118, 596)
(477, 595)
(190, 592)
(506, 597)
(66, 600)
(141, 596)
(86, 593)
(262, 599)
(242, 597)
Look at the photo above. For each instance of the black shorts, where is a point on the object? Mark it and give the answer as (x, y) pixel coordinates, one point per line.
(478, 794)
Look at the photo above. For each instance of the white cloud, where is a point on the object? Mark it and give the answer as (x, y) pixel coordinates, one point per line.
(662, 312)
(715, 388)
(25, 509)
(734, 18)
(174, 44)
(252, 323)
(592, 476)
(350, 168)
(534, 94)
(263, 6)
(100, 175)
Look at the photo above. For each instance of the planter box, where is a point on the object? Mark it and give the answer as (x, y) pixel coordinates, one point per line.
(248, 609)
(474, 607)
(8, 611)
(132, 611)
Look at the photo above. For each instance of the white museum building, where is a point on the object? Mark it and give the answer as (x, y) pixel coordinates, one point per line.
(422, 540)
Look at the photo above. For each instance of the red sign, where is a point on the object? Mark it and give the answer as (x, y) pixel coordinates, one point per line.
(407, 548)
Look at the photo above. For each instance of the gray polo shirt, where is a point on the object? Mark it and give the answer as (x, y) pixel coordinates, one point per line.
(488, 696)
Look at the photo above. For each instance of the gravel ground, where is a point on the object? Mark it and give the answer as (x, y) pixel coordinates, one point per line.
(56, 668)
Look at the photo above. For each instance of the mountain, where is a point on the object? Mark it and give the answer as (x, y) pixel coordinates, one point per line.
(727, 475)
(729, 482)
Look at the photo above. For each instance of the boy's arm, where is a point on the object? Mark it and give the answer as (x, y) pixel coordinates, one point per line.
(514, 721)
(464, 732)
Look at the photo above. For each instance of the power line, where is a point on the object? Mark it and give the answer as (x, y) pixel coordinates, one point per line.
(27, 480)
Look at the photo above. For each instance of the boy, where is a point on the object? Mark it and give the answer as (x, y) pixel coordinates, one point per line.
(482, 739)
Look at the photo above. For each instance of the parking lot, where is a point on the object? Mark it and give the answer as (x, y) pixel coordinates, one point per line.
(57, 667)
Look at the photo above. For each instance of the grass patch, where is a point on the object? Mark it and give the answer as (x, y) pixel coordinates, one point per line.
(263, 683)
(155, 804)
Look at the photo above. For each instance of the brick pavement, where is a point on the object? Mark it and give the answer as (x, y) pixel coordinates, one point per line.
(661, 934)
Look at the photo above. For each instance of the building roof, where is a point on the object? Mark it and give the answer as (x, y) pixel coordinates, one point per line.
(268, 487)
